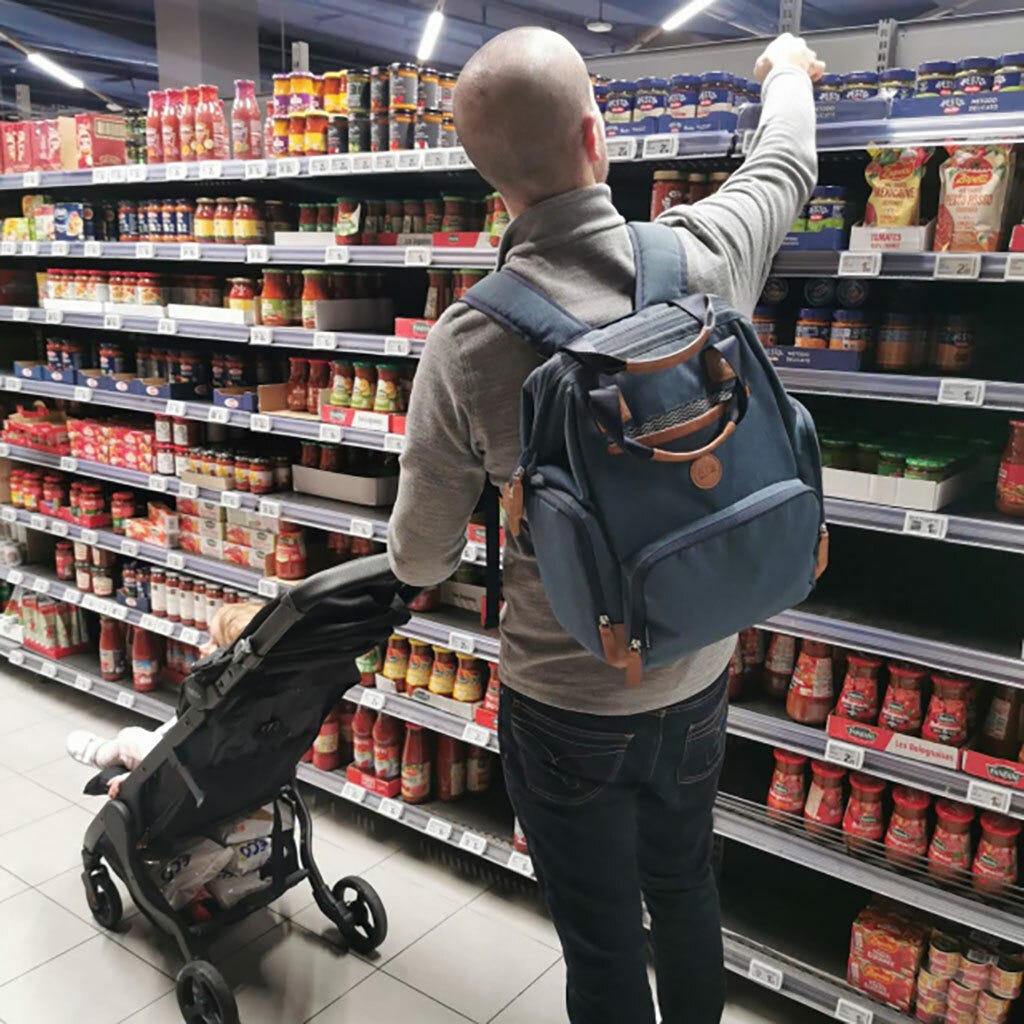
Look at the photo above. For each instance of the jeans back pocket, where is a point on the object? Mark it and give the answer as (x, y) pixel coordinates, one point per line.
(705, 746)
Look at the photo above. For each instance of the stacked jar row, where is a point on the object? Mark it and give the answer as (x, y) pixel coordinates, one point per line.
(361, 385)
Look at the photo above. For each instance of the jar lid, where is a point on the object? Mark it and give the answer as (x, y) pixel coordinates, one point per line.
(621, 85)
(685, 80)
(826, 770)
(976, 64)
(1000, 825)
(953, 812)
(829, 80)
(669, 176)
(813, 313)
(403, 65)
(911, 799)
(1011, 59)
(936, 67)
(123, 495)
(865, 660)
(867, 77)
(240, 199)
(927, 462)
(859, 315)
(788, 757)
(898, 75)
(711, 77)
(652, 82)
(226, 199)
(829, 192)
(867, 783)
(892, 453)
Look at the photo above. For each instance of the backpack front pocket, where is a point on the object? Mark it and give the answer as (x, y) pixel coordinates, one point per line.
(772, 533)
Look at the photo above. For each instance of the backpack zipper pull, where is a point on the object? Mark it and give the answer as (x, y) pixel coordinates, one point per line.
(512, 499)
(634, 663)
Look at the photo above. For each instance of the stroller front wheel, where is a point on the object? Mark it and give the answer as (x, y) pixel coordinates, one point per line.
(104, 899)
(360, 917)
(204, 996)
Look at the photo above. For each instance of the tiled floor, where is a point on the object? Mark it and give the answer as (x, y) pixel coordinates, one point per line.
(462, 947)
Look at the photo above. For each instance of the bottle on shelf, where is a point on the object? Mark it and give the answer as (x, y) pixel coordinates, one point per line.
(210, 131)
(415, 766)
(788, 789)
(362, 739)
(187, 122)
(479, 769)
(326, 753)
(154, 126)
(811, 696)
(145, 660)
(246, 122)
(451, 769)
(778, 665)
(112, 666)
(999, 733)
(170, 126)
(387, 753)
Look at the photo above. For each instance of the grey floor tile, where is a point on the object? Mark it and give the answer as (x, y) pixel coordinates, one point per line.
(67, 890)
(33, 930)
(382, 998)
(34, 745)
(67, 778)
(542, 1003)
(97, 982)
(47, 847)
(24, 801)
(456, 876)
(522, 909)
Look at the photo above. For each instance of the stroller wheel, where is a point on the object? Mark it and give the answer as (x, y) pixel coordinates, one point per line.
(104, 899)
(204, 996)
(361, 917)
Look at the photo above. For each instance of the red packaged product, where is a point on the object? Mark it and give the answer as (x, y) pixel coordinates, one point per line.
(903, 706)
(362, 739)
(864, 821)
(823, 808)
(889, 987)
(17, 147)
(387, 755)
(326, 753)
(907, 836)
(995, 863)
(415, 766)
(888, 940)
(949, 854)
(451, 768)
(858, 699)
(100, 140)
(787, 791)
(946, 719)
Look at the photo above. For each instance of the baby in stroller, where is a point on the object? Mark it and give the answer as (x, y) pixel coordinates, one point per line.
(224, 770)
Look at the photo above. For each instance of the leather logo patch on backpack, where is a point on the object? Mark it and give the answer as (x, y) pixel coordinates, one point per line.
(706, 472)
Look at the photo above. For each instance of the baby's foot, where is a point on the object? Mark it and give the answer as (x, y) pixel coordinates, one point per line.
(88, 748)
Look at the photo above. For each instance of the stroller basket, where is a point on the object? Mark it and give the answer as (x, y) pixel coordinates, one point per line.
(246, 716)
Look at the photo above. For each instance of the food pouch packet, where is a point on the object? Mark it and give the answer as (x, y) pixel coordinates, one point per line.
(975, 184)
(895, 177)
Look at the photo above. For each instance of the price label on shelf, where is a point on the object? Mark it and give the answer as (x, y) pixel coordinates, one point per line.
(31, 179)
(93, 604)
(621, 149)
(175, 560)
(119, 611)
(954, 391)
(16, 656)
(360, 528)
(190, 251)
(59, 528)
(41, 586)
(230, 499)
(60, 249)
(82, 394)
(340, 164)
(165, 325)
(68, 464)
(156, 482)
(845, 754)
(992, 798)
(259, 423)
(362, 163)
(130, 548)
(260, 335)
(409, 160)
(175, 407)
(457, 159)
(337, 254)
(765, 974)
(373, 699)
(418, 255)
(477, 735)
(8, 248)
(853, 1013)
(190, 636)
(20, 314)
(393, 809)
(177, 171)
(384, 161)
(49, 670)
(521, 863)
(394, 346)
(268, 588)
(434, 159)
(37, 522)
(289, 167)
(211, 169)
(439, 829)
(350, 791)
(860, 264)
(256, 169)
(101, 175)
(662, 146)
(136, 173)
(1014, 269)
(112, 321)
(472, 843)
(15, 577)
(187, 490)
(325, 340)
(394, 443)
(218, 414)
(8, 515)
(29, 248)
(92, 250)
(957, 266)
(53, 317)
(89, 537)
(461, 642)
(145, 250)
(72, 596)
(149, 623)
(926, 524)
(330, 433)
(319, 165)
(270, 508)
(83, 683)
(12, 383)
(363, 420)
(118, 175)
(125, 699)
(470, 552)
(257, 253)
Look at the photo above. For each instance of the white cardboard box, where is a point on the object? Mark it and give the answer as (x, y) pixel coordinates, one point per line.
(362, 490)
(304, 239)
(919, 495)
(210, 314)
(878, 239)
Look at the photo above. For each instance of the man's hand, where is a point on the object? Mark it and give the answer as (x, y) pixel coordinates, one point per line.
(789, 51)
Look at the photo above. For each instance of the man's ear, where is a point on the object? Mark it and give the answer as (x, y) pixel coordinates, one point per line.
(593, 136)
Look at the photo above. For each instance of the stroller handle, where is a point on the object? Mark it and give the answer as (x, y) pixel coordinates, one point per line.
(350, 575)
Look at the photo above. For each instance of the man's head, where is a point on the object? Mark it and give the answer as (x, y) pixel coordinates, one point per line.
(525, 113)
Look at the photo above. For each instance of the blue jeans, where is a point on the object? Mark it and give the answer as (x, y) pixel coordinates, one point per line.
(616, 807)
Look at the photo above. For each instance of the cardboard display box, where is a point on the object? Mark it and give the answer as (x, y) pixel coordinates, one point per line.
(878, 239)
(877, 737)
(919, 495)
(994, 769)
(372, 491)
(382, 787)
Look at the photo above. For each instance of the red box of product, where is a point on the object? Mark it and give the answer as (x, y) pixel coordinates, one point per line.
(488, 719)
(893, 989)
(363, 419)
(877, 737)
(465, 240)
(994, 769)
(477, 534)
(410, 327)
(16, 138)
(1017, 238)
(888, 940)
(45, 145)
(99, 139)
(382, 787)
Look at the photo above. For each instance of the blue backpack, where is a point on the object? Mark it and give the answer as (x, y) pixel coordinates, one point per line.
(670, 487)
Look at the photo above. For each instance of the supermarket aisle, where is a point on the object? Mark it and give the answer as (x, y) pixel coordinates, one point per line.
(461, 947)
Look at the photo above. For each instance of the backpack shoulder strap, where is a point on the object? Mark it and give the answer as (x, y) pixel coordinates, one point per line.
(510, 300)
(660, 263)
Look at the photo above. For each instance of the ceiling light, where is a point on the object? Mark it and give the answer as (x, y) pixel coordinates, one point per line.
(684, 14)
(599, 25)
(62, 74)
(431, 31)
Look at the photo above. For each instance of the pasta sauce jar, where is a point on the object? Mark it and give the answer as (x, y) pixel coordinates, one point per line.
(864, 821)
(811, 695)
(946, 719)
(823, 808)
(1010, 482)
(949, 853)
(995, 863)
(787, 791)
(858, 699)
(907, 837)
(778, 665)
(902, 707)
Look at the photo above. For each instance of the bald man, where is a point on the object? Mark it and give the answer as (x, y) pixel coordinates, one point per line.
(614, 787)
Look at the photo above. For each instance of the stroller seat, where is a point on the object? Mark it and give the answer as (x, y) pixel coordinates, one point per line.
(246, 715)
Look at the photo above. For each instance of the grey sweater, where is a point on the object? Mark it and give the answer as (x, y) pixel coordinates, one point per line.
(463, 423)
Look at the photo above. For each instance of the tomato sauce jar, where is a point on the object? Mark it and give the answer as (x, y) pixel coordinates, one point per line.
(946, 719)
(813, 328)
(907, 835)
(290, 552)
(666, 192)
(995, 863)
(443, 672)
(864, 820)
(949, 854)
(778, 665)
(902, 707)
(421, 662)
(396, 659)
(788, 789)
(811, 695)
(823, 809)
(858, 699)
(1010, 482)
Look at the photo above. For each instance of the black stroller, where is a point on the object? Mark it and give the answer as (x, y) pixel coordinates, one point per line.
(246, 716)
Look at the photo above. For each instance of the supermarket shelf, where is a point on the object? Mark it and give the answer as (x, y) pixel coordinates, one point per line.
(747, 823)
(456, 630)
(915, 266)
(306, 428)
(998, 668)
(241, 334)
(44, 581)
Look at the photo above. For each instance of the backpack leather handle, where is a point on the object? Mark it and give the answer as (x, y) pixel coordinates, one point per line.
(706, 316)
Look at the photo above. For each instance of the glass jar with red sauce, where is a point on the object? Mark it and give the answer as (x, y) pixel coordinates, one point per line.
(319, 380)
(290, 552)
(903, 706)
(330, 460)
(455, 213)
(858, 699)
(778, 665)
(224, 221)
(1010, 482)
(734, 689)
(946, 719)
(995, 863)
(122, 508)
(64, 560)
(275, 301)
(315, 288)
(298, 380)
(823, 808)
(949, 854)
(907, 836)
(261, 477)
(346, 222)
(788, 789)
(864, 820)
(811, 695)
(242, 294)
(248, 226)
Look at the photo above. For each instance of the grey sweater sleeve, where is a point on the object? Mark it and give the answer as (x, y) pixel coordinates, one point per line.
(732, 236)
